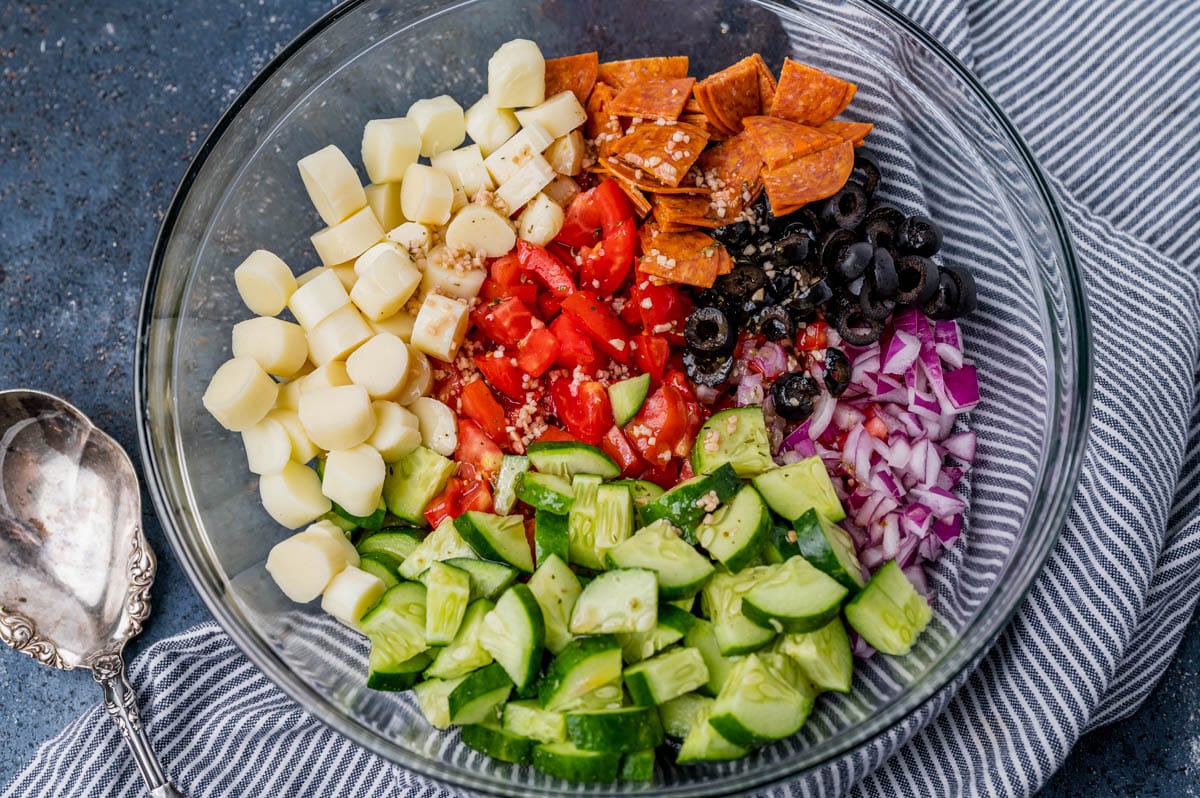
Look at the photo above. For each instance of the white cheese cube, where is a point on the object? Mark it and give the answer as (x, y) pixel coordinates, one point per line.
(541, 220)
(388, 277)
(413, 236)
(460, 198)
(439, 427)
(517, 74)
(384, 201)
(420, 377)
(481, 229)
(337, 418)
(304, 565)
(507, 159)
(303, 449)
(289, 394)
(240, 394)
(332, 184)
(264, 282)
(562, 190)
(304, 278)
(330, 375)
(441, 123)
(559, 114)
(565, 155)
(397, 431)
(350, 594)
(465, 168)
(389, 146)
(345, 274)
(399, 324)
(388, 252)
(317, 299)
(426, 195)
(277, 345)
(338, 538)
(337, 336)
(523, 186)
(489, 125)
(293, 498)
(347, 240)
(268, 447)
(452, 273)
(440, 327)
(354, 479)
(380, 365)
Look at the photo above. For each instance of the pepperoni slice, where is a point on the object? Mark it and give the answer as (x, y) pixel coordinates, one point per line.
(578, 73)
(653, 98)
(809, 96)
(808, 179)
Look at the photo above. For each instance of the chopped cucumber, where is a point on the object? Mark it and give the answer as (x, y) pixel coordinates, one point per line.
(688, 502)
(528, 719)
(705, 744)
(478, 696)
(381, 565)
(556, 589)
(738, 437)
(339, 521)
(496, 537)
(761, 701)
(620, 730)
(488, 579)
(433, 697)
(606, 696)
(396, 626)
(548, 492)
(722, 602)
(396, 542)
(680, 714)
(565, 761)
(824, 656)
(668, 675)
(514, 633)
(827, 546)
(703, 638)
(383, 674)
(568, 458)
(371, 523)
(614, 519)
(413, 481)
(581, 522)
(464, 653)
(627, 397)
(794, 489)
(637, 766)
(889, 613)
(443, 543)
(794, 597)
(448, 591)
(624, 600)
(584, 665)
(550, 536)
(511, 469)
(643, 492)
(681, 570)
(736, 532)
(498, 743)
(673, 623)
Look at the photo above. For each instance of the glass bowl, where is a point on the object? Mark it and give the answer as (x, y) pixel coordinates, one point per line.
(944, 146)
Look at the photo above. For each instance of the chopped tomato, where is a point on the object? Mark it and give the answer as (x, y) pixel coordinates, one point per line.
(549, 304)
(659, 426)
(530, 534)
(507, 279)
(537, 351)
(575, 348)
(665, 476)
(505, 321)
(502, 374)
(552, 433)
(545, 268)
(465, 491)
(685, 470)
(650, 355)
(480, 405)
(617, 446)
(875, 426)
(584, 408)
(595, 213)
(606, 265)
(813, 337)
(663, 309)
(693, 411)
(476, 448)
(601, 323)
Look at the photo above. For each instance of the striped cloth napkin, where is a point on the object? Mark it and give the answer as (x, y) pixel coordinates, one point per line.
(1108, 95)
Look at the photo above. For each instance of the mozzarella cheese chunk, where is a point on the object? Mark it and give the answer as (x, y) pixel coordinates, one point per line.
(561, 189)
(303, 449)
(465, 168)
(277, 345)
(305, 564)
(399, 324)
(240, 394)
(389, 147)
(426, 195)
(304, 278)
(441, 123)
(387, 279)
(264, 282)
(559, 115)
(350, 594)
(268, 447)
(439, 429)
(489, 125)
(332, 184)
(347, 240)
(330, 375)
(565, 155)
(397, 431)
(517, 74)
(440, 327)
(354, 479)
(380, 365)
(525, 184)
(452, 273)
(508, 159)
(481, 229)
(334, 534)
(384, 201)
(345, 274)
(289, 394)
(420, 377)
(293, 497)
(337, 418)
(413, 236)
(541, 220)
(337, 336)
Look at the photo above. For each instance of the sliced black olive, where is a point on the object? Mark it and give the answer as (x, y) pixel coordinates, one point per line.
(918, 235)
(783, 285)
(855, 327)
(854, 261)
(792, 248)
(815, 295)
(870, 171)
(793, 395)
(735, 236)
(710, 370)
(831, 246)
(968, 298)
(775, 323)
(742, 282)
(845, 209)
(874, 306)
(837, 371)
(883, 274)
(913, 275)
(944, 302)
(806, 218)
(880, 224)
(854, 287)
(708, 330)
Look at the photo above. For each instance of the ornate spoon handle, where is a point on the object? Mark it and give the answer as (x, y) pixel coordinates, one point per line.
(121, 703)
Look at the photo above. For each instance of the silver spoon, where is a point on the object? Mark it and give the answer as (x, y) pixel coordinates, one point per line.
(75, 568)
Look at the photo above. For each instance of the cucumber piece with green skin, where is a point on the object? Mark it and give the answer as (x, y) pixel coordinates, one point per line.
(340, 522)
(548, 492)
(614, 518)
(413, 481)
(637, 766)
(371, 523)
(738, 437)
(382, 566)
(680, 714)
(565, 761)
(551, 536)
(447, 593)
(606, 696)
(489, 738)
(627, 397)
(568, 458)
(824, 656)
(734, 534)
(496, 537)
(511, 469)
(705, 744)
(684, 604)
(686, 504)
(889, 613)
(703, 638)
(585, 664)
(794, 597)
(621, 730)
(383, 674)
(488, 578)
(665, 676)
(643, 492)
(556, 589)
(443, 543)
(477, 697)
(681, 570)
(722, 602)
(794, 489)
(620, 601)
(673, 623)
(528, 719)
(464, 653)
(763, 700)
(395, 542)
(514, 633)
(581, 521)
(433, 697)
(396, 626)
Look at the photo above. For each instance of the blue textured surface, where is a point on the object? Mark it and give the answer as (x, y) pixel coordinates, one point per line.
(100, 109)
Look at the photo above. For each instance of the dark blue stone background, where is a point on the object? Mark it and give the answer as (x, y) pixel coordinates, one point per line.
(101, 106)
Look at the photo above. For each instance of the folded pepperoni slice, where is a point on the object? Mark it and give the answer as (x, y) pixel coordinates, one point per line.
(620, 74)
(809, 96)
(733, 170)
(577, 73)
(673, 210)
(814, 177)
(654, 98)
(855, 132)
(663, 152)
(602, 126)
(780, 141)
(766, 85)
(730, 95)
(689, 257)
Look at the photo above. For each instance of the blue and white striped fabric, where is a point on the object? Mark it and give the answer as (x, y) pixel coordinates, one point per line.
(1109, 98)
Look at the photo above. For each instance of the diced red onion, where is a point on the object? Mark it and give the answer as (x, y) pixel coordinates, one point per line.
(770, 360)
(884, 481)
(942, 503)
(707, 394)
(949, 478)
(945, 331)
(908, 550)
(903, 349)
(798, 441)
(947, 529)
(916, 575)
(860, 647)
(916, 520)
(846, 416)
(750, 390)
(952, 356)
(962, 387)
(962, 445)
(823, 410)
(889, 389)
(899, 452)
(891, 540)
(789, 456)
